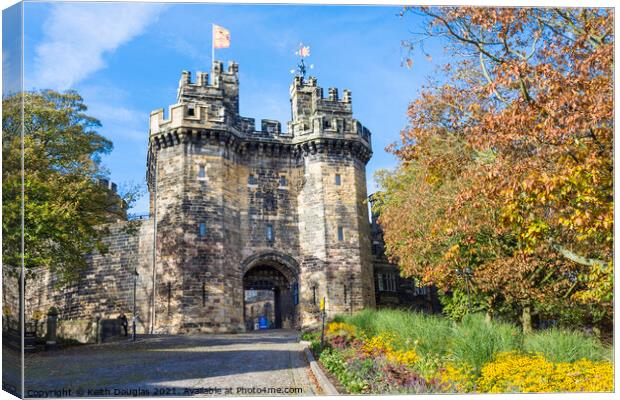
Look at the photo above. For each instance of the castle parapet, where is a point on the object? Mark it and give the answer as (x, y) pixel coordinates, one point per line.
(316, 115)
(270, 126)
(211, 105)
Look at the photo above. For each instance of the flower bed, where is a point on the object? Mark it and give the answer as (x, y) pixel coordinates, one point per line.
(389, 362)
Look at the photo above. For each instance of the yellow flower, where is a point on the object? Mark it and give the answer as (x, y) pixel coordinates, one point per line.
(516, 372)
(457, 378)
(383, 344)
(380, 344)
(403, 357)
(341, 329)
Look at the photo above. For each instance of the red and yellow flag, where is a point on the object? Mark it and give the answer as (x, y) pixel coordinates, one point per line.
(221, 37)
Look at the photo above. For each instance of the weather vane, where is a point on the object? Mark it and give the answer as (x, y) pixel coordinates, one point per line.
(302, 52)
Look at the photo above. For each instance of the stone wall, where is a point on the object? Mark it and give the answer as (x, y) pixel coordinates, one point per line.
(104, 288)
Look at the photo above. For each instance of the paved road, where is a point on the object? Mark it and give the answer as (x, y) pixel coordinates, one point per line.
(216, 364)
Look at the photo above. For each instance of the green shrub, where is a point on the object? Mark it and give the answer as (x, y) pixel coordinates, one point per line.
(361, 374)
(309, 336)
(315, 346)
(459, 303)
(559, 345)
(475, 341)
(335, 363)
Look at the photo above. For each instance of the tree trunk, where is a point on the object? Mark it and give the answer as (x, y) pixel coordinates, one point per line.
(488, 316)
(526, 320)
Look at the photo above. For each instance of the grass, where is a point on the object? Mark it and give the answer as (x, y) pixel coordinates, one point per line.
(559, 345)
(473, 340)
(431, 332)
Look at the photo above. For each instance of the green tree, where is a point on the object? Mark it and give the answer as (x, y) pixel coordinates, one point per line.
(64, 206)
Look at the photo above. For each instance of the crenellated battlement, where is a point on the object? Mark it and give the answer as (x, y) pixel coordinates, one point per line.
(116, 205)
(210, 103)
(329, 116)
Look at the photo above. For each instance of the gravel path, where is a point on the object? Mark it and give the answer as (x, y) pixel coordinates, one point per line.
(262, 363)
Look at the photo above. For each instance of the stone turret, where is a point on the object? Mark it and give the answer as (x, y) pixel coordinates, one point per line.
(334, 231)
(313, 114)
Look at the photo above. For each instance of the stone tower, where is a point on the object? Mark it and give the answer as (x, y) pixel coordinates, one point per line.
(241, 208)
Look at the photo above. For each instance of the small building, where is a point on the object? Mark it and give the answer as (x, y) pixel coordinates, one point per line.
(391, 289)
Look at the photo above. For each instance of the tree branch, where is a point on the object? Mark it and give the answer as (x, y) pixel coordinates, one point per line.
(576, 258)
(488, 78)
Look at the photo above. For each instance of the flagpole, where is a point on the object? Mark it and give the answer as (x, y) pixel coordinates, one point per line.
(212, 43)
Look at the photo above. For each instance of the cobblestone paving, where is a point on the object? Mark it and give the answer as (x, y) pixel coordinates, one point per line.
(263, 363)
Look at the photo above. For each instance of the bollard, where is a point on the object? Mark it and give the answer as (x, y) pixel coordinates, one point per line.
(52, 323)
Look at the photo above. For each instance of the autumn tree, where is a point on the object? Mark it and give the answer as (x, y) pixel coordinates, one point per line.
(51, 165)
(528, 202)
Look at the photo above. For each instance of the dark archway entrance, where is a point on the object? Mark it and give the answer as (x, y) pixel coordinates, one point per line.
(270, 286)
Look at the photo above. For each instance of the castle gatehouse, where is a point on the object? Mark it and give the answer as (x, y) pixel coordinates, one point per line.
(238, 215)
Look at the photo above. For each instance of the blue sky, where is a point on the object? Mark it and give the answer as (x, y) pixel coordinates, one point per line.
(125, 59)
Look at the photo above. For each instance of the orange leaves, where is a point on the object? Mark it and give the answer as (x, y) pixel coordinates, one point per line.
(502, 166)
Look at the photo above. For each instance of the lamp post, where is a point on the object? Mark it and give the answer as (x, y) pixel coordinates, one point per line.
(351, 279)
(133, 318)
(314, 288)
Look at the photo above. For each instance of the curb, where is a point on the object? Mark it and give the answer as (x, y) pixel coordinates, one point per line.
(328, 388)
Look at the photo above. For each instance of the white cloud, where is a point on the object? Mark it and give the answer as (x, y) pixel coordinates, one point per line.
(77, 37)
(112, 106)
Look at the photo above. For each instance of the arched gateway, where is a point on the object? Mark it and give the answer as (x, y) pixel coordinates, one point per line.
(271, 287)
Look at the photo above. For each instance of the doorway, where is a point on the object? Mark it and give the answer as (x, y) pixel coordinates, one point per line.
(268, 299)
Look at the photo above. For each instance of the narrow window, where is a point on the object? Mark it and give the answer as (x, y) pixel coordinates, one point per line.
(344, 286)
(269, 202)
(380, 282)
(340, 233)
(270, 233)
(204, 294)
(251, 180)
(295, 293)
(390, 282)
(338, 179)
(201, 171)
(202, 228)
(191, 110)
(314, 295)
(282, 181)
